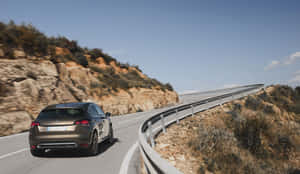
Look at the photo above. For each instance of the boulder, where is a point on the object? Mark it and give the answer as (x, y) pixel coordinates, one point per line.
(14, 122)
(19, 53)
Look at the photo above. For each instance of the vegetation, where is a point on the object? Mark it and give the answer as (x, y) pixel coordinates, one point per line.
(60, 49)
(108, 77)
(35, 43)
(259, 134)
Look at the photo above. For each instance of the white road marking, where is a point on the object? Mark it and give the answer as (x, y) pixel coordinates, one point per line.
(126, 161)
(13, 153)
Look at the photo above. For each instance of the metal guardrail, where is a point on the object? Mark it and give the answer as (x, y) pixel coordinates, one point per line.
(153, 163)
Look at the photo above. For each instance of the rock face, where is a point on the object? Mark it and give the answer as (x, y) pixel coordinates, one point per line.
(19, 53)
(26, 87)
(136, 100)
(14, 122)
(1, 53)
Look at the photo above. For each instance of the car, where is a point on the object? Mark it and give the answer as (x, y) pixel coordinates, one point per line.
(70, 126)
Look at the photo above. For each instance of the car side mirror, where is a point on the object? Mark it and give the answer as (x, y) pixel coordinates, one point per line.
(107, 114)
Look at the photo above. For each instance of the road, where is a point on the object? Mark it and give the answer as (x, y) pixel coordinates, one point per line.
(15, 157)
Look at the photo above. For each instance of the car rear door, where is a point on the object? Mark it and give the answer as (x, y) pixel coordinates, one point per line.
(96, 119)
(104, 120)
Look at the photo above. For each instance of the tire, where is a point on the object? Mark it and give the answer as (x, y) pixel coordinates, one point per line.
(111, 135)
(93, 149)
(37, 152)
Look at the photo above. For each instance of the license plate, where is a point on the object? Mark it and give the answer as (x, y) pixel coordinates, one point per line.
(57, 128)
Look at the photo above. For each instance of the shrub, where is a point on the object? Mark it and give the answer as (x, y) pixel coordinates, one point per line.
(248, 132)
(253, 103)
(137, 67)
(81, 59)
(122, 65)
(35, 43)
(95, 53)
(96, 85)
(169, 87)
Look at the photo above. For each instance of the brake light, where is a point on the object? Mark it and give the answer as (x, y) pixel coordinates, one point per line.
(35, 124)
(84, 145)
(82, 122)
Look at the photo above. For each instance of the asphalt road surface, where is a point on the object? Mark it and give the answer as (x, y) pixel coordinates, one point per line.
(15, 157)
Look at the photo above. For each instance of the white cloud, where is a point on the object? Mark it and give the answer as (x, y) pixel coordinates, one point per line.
(289, 60)
(273, 64)
(292, 58)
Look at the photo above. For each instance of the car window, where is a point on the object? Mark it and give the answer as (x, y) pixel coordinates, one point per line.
(99, 110)
(61, 113)
(92, 110)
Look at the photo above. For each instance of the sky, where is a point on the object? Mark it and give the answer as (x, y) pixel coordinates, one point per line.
(194, 45)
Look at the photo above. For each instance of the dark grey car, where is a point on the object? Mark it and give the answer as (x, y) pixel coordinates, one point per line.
(70, 125)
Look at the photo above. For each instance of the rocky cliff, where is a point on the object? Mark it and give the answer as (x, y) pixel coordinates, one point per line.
(27, 86)
(37, 70)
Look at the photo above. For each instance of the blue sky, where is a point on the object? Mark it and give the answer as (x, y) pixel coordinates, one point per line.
(194, 45)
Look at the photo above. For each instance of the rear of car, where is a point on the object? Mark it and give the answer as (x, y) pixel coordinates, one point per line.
(60, 128)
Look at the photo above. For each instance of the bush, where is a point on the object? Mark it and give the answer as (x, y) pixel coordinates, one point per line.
(35, 43)
(81, 59)
(122, 65)
(212, 139)
(249, 131)
(253, 103)
(95, 53)
(169, 87)
(96, 85)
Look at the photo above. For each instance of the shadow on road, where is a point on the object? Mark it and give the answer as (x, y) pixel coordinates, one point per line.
(71, 153)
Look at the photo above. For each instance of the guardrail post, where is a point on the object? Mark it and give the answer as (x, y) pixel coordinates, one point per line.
(192, 110)
(163, 123)
(221, 106)
(151, 134)
(177, 119)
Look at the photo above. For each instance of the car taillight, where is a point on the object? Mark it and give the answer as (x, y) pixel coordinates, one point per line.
(82, 122)
(35, 124)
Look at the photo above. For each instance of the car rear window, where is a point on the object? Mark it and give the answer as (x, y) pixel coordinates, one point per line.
(61, 113)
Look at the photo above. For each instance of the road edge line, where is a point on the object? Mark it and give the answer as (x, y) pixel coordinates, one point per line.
(125, 163)
(13, 153)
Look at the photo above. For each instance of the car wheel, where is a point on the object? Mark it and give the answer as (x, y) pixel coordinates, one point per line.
(37, 152)
(93, 149)
(111, 135)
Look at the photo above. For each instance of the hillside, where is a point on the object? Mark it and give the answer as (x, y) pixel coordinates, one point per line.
(36, 70)
(257, 134)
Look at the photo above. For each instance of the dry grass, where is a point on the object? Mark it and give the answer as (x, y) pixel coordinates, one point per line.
(257, 134)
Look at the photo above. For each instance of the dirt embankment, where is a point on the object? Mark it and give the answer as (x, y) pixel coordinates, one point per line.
(257, 134)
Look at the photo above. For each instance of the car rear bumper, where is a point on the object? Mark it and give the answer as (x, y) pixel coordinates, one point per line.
(61, 145)
(60, 141)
